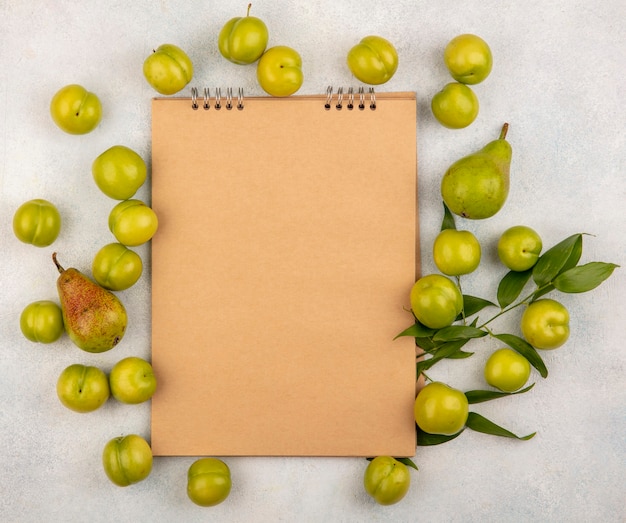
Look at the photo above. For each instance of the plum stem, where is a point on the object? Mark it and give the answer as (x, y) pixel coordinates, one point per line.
(249, 6)
(54, 259)
(505, 128)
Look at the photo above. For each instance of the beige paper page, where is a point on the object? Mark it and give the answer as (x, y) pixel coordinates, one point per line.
(280, 275)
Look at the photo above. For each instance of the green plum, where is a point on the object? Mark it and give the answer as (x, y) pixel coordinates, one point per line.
(468, 58)
(243, 40)
(168, 69)
(436, 301)
(545, 324)
(441, 409)
(37, 222)
(75, 110)
(374, 60)
(456, 252)
(83, 388)
(132, 222)
(42, 321)
(519, 248)
(455, 106)
(132, 380)
(127, 460)
(116, 267)
(507, 370)
(119, 172)
(279, 71)
(387, 480)
(208, 482)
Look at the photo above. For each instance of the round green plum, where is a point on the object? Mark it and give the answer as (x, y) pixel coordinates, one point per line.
(243, 40)
(545, 324)
(132, 222)
(208, 482)
(132, 380)
(387, 480)
(436, 301)
(279, 71)
(507, 370)
(75, 110)
(37, 222)
(374, 60)
(519, 248)
(455, 106)
(441, 409)
(116, 267)
(119, 172)
(127, 460)
(456, 252)
(468, 58)
(42, 321)
(168, 69)
(83, 388)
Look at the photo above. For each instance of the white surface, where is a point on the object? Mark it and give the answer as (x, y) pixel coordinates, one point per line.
(559, 81)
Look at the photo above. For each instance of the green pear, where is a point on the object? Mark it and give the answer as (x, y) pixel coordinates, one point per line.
(95, 319)
(477, 185)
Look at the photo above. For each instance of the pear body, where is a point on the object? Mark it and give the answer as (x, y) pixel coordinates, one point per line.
(95, 319)
(477, 186)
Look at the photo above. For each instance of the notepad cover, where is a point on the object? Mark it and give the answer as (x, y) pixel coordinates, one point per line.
(286, 249)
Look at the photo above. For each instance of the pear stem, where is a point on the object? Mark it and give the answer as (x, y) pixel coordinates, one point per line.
(505, 128)
(54, 259)
(249, 6)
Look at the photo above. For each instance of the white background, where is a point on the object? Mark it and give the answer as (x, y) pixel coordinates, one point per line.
(558, 79)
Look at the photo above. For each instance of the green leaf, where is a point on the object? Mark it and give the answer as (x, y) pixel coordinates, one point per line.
(408, 462)
(472, 305)
(458, 332)
(526, 350)
(561, 257)
(444, 351)
(575, 255)
(426, 344)
(460, 355)
(584, 277)
(417, 330)
(511, 286)
(448, 219)
(480, 396)
(481, 424)
(424, 439)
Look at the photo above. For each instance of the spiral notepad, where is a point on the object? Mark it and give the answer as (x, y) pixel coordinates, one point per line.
(280, 273)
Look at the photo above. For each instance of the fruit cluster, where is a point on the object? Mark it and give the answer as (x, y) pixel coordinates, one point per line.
(469, 61)
(244, 41)
(476, 187)
(442, 328)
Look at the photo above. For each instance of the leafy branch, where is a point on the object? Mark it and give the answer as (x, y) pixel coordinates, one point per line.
(557, 269)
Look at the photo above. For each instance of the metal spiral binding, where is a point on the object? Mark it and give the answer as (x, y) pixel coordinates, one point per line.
(350, 105)
(217, 99)
(240, 99)
(329, 97)
(339, 104)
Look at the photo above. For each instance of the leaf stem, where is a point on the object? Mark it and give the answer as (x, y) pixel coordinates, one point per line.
(426, 376)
